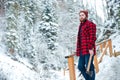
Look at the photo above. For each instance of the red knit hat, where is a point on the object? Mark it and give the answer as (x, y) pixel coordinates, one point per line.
(85, 12)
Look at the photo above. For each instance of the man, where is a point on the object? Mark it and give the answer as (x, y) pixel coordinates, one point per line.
(86, 44)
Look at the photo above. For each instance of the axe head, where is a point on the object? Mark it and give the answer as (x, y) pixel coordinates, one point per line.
(90, 73)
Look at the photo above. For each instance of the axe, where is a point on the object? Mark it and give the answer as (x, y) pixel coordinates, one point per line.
(90, 73)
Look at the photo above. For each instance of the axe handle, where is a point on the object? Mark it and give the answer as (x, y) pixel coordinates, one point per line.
(89, 62)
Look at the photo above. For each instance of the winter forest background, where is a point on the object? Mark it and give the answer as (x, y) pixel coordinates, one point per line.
(38, 34)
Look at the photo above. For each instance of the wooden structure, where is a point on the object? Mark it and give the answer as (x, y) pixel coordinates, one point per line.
(71, 67)
(96, 64)
(103, 46)
(116, 53)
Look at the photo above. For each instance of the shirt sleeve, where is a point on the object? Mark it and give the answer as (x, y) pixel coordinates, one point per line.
(78, 43)
(92, 35)
(78, 47)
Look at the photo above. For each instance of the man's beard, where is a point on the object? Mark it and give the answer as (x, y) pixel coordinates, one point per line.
(83, 20)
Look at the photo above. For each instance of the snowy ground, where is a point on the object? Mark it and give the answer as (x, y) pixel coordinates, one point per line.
(109, 69)
(13, 70)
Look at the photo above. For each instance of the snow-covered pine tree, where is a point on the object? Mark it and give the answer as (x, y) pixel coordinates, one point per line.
(112, 24)
(113, 8)
(19, 31)
(2, 7)
(11, 27)
(48, 27)
(26, 24)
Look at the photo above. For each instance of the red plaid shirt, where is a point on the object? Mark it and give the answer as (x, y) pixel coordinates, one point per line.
(86, 38)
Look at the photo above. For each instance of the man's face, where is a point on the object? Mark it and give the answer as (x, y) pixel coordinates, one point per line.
(82, 17)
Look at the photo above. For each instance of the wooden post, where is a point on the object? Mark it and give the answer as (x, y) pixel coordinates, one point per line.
(107, 45)
(114, 54)
(96, 64)
(104, 43)
(110, 47)
(71, 68)
(101, 48)
(105, 48)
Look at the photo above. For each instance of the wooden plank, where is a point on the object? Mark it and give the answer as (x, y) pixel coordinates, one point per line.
(71, 68)
(101, 48)
(97, 44)
(117, 54)
(96, 64)
(104, 44)
(103, 52)
(110, 48)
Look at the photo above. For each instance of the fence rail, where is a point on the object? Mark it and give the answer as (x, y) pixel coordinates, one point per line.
(103, 46)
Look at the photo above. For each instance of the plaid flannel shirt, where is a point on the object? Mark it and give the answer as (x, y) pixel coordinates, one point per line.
(86, 38)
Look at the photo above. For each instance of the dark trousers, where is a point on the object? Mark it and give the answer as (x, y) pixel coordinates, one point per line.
(82, 66)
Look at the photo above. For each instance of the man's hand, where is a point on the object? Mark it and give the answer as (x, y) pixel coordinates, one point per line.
(91, 52)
